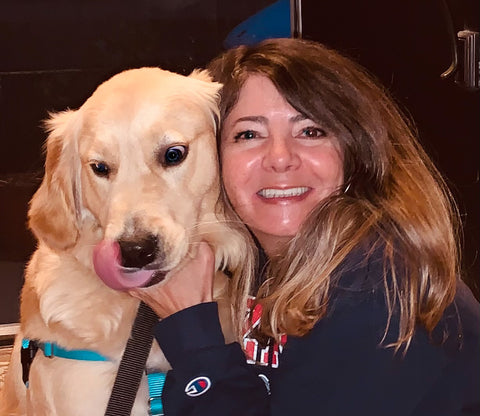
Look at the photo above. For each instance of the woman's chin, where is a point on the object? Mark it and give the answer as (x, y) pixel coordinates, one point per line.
(273, 240)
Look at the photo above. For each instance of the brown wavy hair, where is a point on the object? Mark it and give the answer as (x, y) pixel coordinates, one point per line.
(392, 190)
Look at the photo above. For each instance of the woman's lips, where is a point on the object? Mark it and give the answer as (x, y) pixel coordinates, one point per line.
(274, 195)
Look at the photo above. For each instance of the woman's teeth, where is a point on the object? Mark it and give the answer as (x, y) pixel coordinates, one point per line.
(282, 193)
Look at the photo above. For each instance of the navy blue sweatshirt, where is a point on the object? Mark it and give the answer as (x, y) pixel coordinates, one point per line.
(340, 368)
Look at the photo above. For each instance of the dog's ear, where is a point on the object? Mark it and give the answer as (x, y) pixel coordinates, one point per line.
(202, 75)
(54, 213)
(209, 91)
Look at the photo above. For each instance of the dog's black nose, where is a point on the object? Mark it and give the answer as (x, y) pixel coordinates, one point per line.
(138, 252)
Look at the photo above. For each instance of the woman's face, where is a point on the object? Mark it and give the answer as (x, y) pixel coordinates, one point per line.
(277, 165)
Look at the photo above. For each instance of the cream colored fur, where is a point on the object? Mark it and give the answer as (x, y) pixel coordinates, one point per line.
(127, 123)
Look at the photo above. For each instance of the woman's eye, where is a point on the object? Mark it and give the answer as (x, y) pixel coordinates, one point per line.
(175, 155)
(100, 169)
(246, 135)
(313, 132)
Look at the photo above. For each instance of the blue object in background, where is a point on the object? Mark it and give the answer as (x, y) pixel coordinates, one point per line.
(271, 22)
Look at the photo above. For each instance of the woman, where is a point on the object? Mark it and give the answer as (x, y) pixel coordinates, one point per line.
(362, 309)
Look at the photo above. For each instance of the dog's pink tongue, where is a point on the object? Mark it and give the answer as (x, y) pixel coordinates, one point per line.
(107, 264)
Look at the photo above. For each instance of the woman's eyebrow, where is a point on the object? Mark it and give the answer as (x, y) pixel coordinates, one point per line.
(256, 119)
(298, 117)
(264, 120)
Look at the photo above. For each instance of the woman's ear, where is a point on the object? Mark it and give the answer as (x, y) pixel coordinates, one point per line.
(54, 214)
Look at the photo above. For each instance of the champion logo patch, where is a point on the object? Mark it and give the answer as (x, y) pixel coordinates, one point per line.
(198, 386)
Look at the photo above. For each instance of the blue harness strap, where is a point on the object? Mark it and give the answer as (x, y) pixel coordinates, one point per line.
(156, 381)
(50, 349)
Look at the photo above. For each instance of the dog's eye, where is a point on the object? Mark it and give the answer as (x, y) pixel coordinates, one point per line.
(100, 169)
(174, 155)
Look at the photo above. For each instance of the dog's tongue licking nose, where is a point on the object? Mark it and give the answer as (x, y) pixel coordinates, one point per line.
(107, 261)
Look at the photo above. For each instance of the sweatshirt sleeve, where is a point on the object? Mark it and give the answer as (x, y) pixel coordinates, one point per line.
(208, 377)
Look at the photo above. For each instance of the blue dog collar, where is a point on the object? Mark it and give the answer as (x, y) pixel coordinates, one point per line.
(50, 349)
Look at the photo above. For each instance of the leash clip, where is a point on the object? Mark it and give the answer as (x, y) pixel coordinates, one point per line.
(27, 354)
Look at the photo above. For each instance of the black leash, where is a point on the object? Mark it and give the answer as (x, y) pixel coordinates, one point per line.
(132, 366)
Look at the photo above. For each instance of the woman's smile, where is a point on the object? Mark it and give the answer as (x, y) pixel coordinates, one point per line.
(279, 195)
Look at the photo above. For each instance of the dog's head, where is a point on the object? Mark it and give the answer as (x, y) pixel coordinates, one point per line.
(138, 161)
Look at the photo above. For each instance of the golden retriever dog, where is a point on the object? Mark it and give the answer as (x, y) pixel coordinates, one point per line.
(131, 186)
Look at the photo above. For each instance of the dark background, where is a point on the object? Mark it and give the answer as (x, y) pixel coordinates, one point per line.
(54, 53)
(406, 44)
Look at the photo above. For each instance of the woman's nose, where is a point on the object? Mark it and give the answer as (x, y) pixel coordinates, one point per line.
(281, 154)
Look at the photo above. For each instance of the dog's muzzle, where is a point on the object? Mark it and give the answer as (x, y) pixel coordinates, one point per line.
(121, 265)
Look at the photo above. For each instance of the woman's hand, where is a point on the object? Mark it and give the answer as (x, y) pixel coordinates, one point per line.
(191, 285)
